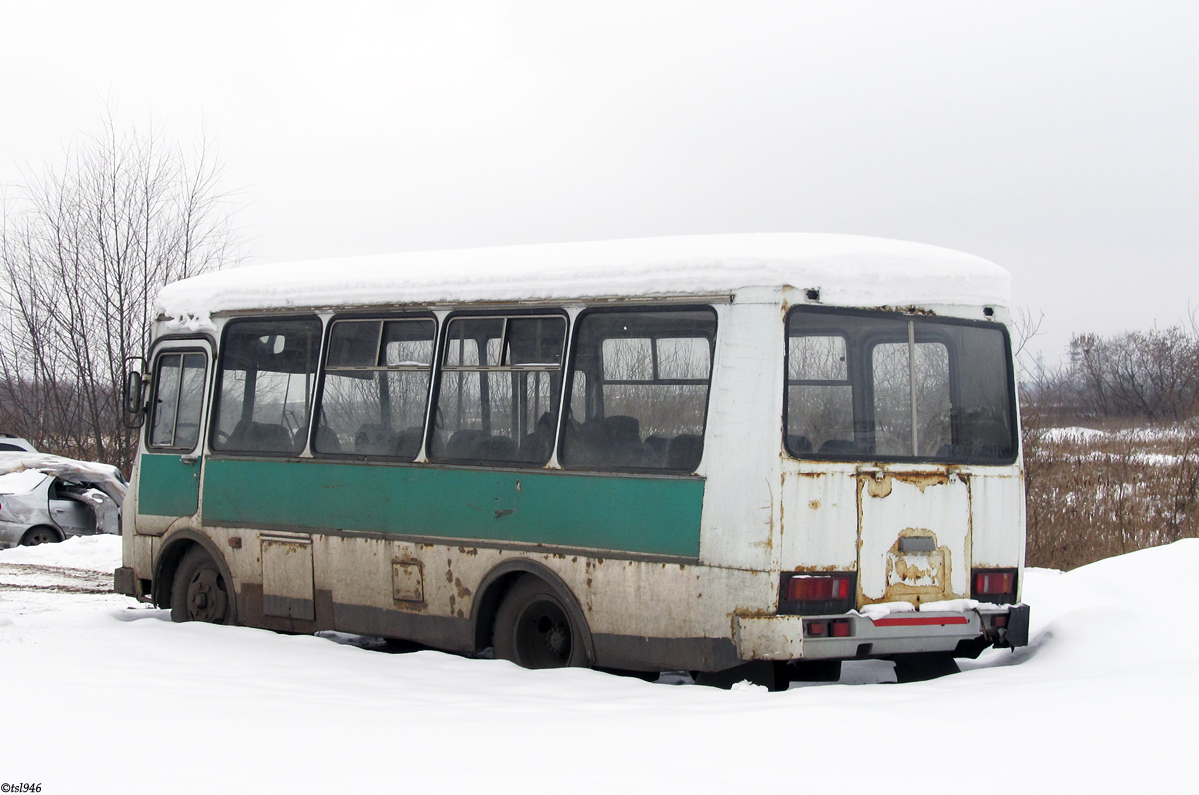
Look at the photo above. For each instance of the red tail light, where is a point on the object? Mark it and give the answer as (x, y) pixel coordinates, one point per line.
(994, 585)
(993, 582)
(817, 594)
(807, 588)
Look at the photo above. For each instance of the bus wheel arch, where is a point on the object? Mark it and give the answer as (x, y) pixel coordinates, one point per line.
(509, 589)
(171, 559)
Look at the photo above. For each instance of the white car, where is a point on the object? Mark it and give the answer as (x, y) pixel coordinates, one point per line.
(11, 444)
(47, 498)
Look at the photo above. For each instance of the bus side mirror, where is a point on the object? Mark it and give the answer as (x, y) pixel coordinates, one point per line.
(131, 399)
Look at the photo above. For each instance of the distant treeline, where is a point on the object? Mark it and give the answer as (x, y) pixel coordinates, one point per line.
(1148, 376)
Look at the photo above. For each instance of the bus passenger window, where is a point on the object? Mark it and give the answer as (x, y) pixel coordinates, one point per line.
(497, 397)
(376, 387)
(646, 376)
(264, 390)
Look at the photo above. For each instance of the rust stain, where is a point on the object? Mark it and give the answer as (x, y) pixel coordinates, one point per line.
(918, 575)
(806, 569)
(879, 487)
(463, 591)
(753, 612)
(468, 550)
(814, 505)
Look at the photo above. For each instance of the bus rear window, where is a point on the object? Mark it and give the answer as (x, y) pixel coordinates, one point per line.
(893, 387)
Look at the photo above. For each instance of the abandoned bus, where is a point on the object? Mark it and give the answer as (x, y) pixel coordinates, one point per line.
(749, 456)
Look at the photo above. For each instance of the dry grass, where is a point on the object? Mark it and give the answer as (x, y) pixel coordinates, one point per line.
(1092, 495)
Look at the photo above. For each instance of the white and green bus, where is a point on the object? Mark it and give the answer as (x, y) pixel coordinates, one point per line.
(746, 456)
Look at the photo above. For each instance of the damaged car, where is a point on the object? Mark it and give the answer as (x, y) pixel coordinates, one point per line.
(48, 498)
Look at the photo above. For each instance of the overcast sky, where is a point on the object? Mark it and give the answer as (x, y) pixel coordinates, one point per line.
(1059, 139)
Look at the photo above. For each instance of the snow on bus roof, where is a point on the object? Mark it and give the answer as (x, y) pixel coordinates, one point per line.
(848, 270)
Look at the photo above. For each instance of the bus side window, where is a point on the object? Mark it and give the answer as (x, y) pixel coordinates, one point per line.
(649, 374)
(498, 392)
(376, 386)
(264, 393)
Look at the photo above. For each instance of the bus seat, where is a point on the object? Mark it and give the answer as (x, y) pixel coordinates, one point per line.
(408, 442)
(274, 438)
(658, 444)
(327, 440)
(536, 446)
(462, 443)
(622, 429)
(260, 437)
(685, 451)
(798, 443)
(494, 448)
(374, 438)
(582, 442)
(836, 446)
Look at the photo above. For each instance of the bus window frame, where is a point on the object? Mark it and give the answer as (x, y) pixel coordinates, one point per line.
(383, 318)
(218, 378)
(592, 385)
(864, 387)
(467, 312)
(167, 349)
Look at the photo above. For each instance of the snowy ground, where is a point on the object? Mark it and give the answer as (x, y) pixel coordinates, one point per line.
(105, 695)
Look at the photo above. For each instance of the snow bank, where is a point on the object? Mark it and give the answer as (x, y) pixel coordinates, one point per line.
(1105, 696)
(99, 552)
(1073, 434)
(848, 270)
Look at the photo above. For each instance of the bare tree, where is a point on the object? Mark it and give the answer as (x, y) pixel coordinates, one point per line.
(84, 250)
(1152, 375)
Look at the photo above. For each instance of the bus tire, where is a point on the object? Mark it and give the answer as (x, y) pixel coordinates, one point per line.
(533, 628)
(199, 591)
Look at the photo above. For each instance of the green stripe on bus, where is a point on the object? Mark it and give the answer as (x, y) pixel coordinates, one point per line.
(167, 486)
(651, 515)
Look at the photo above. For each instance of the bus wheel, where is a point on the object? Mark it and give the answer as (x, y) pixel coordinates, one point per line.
(199, 591)
(533, 628)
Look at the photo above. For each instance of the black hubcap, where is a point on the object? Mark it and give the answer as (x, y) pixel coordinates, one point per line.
(543, 636)
(206, 596)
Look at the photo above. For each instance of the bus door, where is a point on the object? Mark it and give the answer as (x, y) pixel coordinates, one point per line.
(913, 517)
(168, 486)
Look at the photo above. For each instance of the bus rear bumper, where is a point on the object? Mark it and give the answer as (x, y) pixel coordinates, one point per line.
(851, 636)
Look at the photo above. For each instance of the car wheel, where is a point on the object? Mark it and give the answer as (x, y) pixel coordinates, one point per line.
(533, 628)
(200, 591)
(40, 535)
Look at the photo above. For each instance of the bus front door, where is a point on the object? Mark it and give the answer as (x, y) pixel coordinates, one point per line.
(168, 481)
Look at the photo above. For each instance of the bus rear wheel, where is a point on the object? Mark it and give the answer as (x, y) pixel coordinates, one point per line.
(533, 628)
(199, 591)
